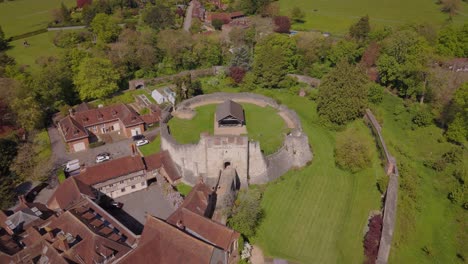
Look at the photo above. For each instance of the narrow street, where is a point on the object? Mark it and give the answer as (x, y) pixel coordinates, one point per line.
(188, 17)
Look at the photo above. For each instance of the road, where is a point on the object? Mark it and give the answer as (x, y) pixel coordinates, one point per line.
(188, 17)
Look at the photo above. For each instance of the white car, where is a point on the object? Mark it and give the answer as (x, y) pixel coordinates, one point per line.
(102, 158)
(142, 142)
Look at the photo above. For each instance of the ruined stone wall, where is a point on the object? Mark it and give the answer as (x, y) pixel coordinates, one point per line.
(207, 157)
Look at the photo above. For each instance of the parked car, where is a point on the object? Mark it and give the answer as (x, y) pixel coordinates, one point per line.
(104, 154)
(142, 142)
(101, 158)
(72, 165)
(117, 205)
(138, 137)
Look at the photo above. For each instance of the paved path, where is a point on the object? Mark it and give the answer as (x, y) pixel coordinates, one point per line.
(65, 28)
(188, 17)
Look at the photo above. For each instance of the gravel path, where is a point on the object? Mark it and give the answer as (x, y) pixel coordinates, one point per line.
(188, 17)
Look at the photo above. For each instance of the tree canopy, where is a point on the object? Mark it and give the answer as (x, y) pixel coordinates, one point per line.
(105, 27)
(96, 78)
(342, 94)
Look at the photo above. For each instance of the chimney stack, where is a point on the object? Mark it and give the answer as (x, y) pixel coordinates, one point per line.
(72, 112)
(180, 225)
(63, 243)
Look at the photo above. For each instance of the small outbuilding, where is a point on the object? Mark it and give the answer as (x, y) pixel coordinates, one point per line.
(229, 114)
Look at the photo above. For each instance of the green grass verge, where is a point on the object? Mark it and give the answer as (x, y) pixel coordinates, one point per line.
(318, 214)
(61, 175)
(263, 125)
(151, 148)
(42, 146)
(337, 16)
(21, 16)
(122, 97)
(183, 188)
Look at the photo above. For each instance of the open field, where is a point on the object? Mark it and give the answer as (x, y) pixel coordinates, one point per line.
(432, 223)
(263, 125)
(22, 16)
(336, 16)
(39, 46)
(151, 148)
(318, 214)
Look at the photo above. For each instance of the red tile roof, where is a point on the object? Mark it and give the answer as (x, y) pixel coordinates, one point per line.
(165, 244)
(199, 199)
(162, 160)
(72, 130)
(69, 192)
(111, 169)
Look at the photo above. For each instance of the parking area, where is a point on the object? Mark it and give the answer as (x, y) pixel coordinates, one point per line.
(151, 201)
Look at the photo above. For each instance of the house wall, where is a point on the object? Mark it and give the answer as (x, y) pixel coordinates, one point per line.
(115, 125)
(71, 143)
(128, 130)
(113, 188)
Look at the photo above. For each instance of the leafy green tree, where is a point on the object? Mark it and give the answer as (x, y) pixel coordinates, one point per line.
(360, 30)
(297, 15)
(96, 78)
(186, 88)
(8, 150)
(352, 151)
(29, 113)
(344, 50)
(458, 128)
(217, 24)
(251, 7)
(343, 94)
(159, 16)
(208, 51)
(421, 116)
(451, 7)
(275, 57)
(403, 63)
(375, 93)
(453, 41)
(3, 40)
(105, 27)
(175, 44)
(247, 212)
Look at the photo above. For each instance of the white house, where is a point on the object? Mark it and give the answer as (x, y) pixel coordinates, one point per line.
(164, 95)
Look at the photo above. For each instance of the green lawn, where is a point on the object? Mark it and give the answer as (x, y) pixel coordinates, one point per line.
(39, 46)
(183, 188)
(337, 15)
(123, 97)
(318, 214)
(263, 124)
(151, 148)
(22, 16)
(432, 221)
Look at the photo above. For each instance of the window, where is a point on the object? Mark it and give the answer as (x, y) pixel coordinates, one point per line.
(110, 185)
(133, 187)
(122, 190)
(143, 183)
(121, 182)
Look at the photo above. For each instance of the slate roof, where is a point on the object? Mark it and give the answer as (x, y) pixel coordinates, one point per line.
(111, 169)
(230, 108)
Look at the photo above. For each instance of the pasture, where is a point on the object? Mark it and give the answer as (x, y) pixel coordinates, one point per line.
(336, 16)
(22, 16)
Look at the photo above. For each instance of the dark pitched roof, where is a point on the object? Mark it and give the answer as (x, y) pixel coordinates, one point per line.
(230, 108)
(111, 169)
(71, 129)
(69, 192)
(165, 244)
(121, 112)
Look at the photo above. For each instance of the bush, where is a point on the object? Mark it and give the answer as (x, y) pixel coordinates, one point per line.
(217, 24)
(61, 175)
(372, 239)
(237, 74)
(421, 116)
(352, 151)
(247, 212)
(96, 144)
(375, 93)
(282, 23)
(68, 39)
(382, 183)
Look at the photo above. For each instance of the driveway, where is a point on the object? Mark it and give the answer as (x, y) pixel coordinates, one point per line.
(151, 201)
(188, 17)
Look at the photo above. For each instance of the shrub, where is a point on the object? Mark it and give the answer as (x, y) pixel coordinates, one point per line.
(421, 116)
(217, 24)
(247, 212)
(282, 24)
(375, 93)
(382, 183)
(68, 39)
(237, 74)
(372, 239)
(96, 144)
(352, 151)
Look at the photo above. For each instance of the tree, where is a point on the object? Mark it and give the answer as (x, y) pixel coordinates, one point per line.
(3, 40)
(237, 73)
(217, 24)
(208, 52)
(8, 150)
(452, 7)
(159, 16)
(352, 151)
(29, 113)
(452, 41)
(360, 30)
(297, 14)
(251, 7)
(375, 93)
(241, 58)
(282, 23)
(186, 88)
(344, 50)
(105, 27)
(342, 94)
(247, 212)
(175, 44)
(24, 162)
(370, 55)
(403, 63)
(275, 56)
(96, 78)
(458, 128)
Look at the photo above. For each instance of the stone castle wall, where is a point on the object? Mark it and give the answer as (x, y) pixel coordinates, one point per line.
(207, 157)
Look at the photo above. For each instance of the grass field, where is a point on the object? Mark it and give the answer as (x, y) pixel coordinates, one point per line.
(263, 125)
(432, 223)
(22, 16)
(151, 148)
(183, 188)
(318, 214)
(39, 46)
(336, 16)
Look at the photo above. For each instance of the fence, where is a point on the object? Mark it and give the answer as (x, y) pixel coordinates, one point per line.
(391, 195)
